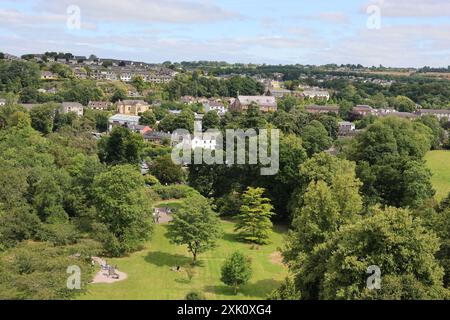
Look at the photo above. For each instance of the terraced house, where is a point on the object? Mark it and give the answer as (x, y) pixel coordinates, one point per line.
(132, 107)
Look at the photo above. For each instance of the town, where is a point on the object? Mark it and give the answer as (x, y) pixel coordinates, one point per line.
(199, 151)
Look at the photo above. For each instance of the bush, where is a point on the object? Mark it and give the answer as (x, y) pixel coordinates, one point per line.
(174, 191)
(59, 234)
(194, 295)
(150, 180)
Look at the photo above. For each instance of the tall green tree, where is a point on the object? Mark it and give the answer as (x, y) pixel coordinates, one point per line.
(395, 242)
(123, 207)
(254, 224)
(166, 171)
(121, 146)
(42, 117)
(211, 120)
(195, 225)
(315, 138)
(236, 271)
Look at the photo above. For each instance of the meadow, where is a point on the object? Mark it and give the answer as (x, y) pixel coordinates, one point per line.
(439, 163)
(150, 275)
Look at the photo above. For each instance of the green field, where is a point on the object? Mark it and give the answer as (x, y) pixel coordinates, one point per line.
(439, 163)
(150, 275)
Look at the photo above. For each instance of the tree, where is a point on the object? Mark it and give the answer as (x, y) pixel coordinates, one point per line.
(118, 95)
(194, 295)
(391, 239)
(123, 207)
(403, 104)
(389, 153)
(438, 132)
(315, 138)
(121, 146)
(236, 271)
(313, 221)
(139, 83)
(147, 118)
(211, 120)
(254, 223)
(195, 225)
(166, 171)
(287, 291)
(42, 118)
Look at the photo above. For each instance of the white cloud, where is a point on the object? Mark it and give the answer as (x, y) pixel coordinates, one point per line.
(406, 45)
(142, 11)
(336, 17)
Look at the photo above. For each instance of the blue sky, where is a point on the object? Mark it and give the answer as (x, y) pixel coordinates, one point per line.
(394, 32)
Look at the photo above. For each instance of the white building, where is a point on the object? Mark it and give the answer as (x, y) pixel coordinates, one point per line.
(316, 93)
(126, 77)
(203, 143)
(124, 120)
(75, 107)
(215, 106)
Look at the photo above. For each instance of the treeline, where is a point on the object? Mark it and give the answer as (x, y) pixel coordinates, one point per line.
(200, 86)
(62, 202)
(379, 179)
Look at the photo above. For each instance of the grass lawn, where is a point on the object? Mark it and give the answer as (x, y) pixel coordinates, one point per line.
(150, 276)
(439, 163)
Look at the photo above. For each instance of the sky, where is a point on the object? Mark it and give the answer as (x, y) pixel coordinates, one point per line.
(395, 33)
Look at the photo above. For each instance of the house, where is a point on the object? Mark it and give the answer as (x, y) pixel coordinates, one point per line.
(134, 94)
(75, 107)
(53, 90)
(188, 99)
(362, 110)
(132, 107)
(203, 143)
(278, 93)
(346, 128)
(126, 77)
(99, 105)
(318, 93)
(141, 129)
(406, 115)
(2, 102)
(48, 75)
(314, 109)
(265, 103)
(158, 78)
(387, 111)
(157, 136)
(219, 107)
(438, 113)
(124, 120)
(80, 73)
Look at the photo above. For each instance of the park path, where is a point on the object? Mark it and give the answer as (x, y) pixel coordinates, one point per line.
(102, 275)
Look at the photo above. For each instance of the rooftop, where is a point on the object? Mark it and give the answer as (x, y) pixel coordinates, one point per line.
(261, 100)
(124, 117)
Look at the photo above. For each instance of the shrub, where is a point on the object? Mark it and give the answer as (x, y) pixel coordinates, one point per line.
(174, 191)
(194, 295)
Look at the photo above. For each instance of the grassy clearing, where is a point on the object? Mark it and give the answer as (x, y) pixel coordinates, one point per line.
(150, 276)
(439, 163)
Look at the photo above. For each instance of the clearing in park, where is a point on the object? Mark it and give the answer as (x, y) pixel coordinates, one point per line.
(151, 276)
